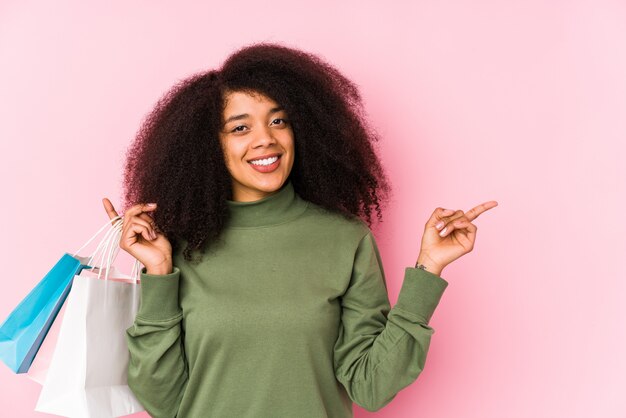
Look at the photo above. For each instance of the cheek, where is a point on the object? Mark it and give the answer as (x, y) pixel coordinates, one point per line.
(230, 159)
(231, 151)
(292, 157)
(224, 152)
(288, 141)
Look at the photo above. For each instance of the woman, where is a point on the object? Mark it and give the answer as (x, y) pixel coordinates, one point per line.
(265, 171)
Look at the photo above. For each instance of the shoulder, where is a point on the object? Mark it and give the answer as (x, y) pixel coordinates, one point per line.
(341, 226)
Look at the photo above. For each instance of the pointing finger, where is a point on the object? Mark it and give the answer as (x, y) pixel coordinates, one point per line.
(474, 212)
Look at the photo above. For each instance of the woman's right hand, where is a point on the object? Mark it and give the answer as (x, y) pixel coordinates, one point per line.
(141, 240)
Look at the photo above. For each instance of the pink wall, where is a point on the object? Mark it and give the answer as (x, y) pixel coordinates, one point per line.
(523, 102)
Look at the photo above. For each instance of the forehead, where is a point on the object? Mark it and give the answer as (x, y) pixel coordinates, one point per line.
(234, 99)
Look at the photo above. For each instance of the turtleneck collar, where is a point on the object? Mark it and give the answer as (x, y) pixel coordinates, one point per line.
(282, 206)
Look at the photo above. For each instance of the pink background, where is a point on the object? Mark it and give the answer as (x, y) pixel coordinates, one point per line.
(523, 102)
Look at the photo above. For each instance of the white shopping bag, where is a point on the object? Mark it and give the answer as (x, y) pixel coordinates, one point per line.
(87, 375)
(39, 368)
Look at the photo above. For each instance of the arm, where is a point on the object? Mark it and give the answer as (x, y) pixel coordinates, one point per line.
(381, 351)
(157, 370)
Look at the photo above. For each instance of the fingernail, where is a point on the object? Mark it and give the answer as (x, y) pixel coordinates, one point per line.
(154, 235)
(152, 204)
(443, 231)
(439, 225)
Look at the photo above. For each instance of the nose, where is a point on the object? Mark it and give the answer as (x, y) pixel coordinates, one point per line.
(264, 137)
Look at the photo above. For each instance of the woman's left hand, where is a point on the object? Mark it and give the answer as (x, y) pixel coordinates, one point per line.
(448, 235)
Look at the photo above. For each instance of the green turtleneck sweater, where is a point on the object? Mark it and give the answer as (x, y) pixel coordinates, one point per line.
(287, 317)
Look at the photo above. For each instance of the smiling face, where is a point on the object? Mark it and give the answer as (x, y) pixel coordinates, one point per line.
(258, 145)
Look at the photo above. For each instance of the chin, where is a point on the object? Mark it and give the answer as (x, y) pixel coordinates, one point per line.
(269, 185)
(266, 185)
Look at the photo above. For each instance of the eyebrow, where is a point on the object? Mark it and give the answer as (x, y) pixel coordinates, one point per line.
(245, 115)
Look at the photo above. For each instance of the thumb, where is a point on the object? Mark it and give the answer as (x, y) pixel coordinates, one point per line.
(108, 206)
(438, 215)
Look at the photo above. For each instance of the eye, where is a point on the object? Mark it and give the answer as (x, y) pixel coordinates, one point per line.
(284, 120)
(236, 129)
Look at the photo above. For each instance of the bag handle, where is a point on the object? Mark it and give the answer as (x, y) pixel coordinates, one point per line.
(105, 246)
(117, 218)
(109, 249)
(105, 242)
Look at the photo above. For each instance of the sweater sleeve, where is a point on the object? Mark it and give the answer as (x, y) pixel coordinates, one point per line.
(380, 351)
(157, 370)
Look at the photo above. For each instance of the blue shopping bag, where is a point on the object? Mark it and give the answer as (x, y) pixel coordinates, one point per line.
(22, 333)
(24, 330)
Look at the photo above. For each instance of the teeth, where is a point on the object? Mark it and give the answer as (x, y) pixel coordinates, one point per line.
(266, 161)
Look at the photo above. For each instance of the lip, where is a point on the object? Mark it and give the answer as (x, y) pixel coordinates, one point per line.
(267, 168)
(276, 154)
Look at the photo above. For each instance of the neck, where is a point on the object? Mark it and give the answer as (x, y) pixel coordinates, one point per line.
(279, 207)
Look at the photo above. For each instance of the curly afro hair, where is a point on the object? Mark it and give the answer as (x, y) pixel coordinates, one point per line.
(176, 159)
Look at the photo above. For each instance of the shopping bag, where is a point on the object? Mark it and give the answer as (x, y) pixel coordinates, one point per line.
(22, 333)
(87, 375)
(39, 368)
